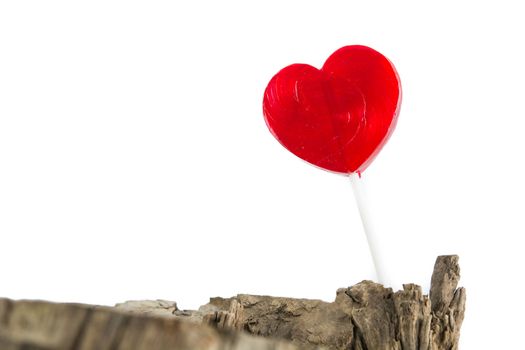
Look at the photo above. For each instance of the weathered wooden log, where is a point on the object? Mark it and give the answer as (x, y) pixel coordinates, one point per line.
(366, 316)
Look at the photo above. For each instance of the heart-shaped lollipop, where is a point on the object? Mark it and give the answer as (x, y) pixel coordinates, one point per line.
(337, 117)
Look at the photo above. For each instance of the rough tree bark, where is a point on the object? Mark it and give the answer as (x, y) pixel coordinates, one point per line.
(366, 316)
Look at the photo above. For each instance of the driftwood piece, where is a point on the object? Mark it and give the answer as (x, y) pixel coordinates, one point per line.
(366, 316)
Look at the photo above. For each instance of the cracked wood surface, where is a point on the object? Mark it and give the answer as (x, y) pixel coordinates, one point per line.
(38, 325)
(366, 316)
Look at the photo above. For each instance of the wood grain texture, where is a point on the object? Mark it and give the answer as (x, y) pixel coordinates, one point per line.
(366, 316)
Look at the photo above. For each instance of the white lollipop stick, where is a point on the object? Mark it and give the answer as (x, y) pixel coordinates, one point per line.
(373, 240)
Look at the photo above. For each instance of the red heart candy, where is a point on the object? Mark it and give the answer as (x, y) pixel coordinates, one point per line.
(337, 117)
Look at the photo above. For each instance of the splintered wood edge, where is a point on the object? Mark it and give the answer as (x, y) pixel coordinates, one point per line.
(363, 316)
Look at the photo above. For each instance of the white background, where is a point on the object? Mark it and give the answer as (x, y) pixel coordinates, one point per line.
(135, 162)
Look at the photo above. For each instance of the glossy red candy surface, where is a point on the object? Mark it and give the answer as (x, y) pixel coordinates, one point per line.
(337, 117)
